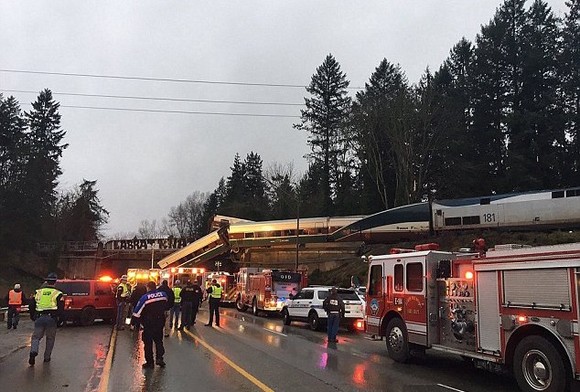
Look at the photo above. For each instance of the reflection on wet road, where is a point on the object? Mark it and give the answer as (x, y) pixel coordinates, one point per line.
(251, 353)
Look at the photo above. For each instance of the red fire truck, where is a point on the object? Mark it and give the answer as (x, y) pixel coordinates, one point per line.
(266, 289)
(512, 308)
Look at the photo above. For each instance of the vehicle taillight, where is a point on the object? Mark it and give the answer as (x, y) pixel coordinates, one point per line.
(360, 325)
(68, 302)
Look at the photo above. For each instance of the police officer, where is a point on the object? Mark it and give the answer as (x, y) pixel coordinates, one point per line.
(150, 310)
(122, 296)
(215, 295)
(176, 308)
(191, 297)
(16, 299)
(170, 301)
(48, 302)
(334, 307)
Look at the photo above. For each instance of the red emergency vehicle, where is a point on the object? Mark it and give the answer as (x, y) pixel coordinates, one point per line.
(266, 289)
(512, 308)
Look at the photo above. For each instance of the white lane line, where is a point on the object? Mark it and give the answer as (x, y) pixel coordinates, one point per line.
(451, 388)
(277, 333)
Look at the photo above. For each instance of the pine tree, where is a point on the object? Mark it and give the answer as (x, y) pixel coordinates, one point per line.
(569, 72)
(325, 119)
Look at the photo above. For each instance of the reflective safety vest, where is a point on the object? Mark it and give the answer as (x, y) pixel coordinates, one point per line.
(46, 299)
(216, 292)
(177, 294)
(15, 297)
(126, 291)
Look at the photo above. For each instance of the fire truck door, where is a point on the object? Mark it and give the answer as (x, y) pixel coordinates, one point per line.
(378, 287)
(409, 297)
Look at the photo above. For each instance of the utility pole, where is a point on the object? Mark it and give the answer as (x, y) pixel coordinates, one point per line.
(297, 231)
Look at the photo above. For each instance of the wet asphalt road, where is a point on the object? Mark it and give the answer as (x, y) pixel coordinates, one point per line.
(286, 358)
(76, 365)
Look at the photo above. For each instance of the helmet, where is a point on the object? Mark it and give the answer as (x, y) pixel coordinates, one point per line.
(17, 286)
(51, 277)
(124, 278)
(177, 282)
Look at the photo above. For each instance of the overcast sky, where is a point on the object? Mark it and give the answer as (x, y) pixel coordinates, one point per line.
(147, 162)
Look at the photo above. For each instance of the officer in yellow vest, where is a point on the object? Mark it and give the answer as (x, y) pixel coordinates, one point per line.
(48, 303)
(215, 295)
(122, 295)
(176, 308)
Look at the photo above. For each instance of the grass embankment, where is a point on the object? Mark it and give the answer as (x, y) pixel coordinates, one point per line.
(26, 269)
(449, 242)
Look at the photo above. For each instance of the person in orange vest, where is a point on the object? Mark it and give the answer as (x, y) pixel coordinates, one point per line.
(15, 299)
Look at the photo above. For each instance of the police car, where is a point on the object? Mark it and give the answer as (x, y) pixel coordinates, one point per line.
(306, 305)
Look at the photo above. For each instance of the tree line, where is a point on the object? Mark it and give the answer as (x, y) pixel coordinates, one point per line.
(31, 207)
(501, 114)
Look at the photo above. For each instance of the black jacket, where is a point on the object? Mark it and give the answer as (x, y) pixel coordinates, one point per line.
(170, 295)
(333, 303)
(192, 293)
(137, 293)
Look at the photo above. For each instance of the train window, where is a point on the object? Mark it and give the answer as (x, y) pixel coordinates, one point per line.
(248, 235)
(485, 201)
(399, 277)
(415, 277)
(572, 192)
(557, 194)
(453, 221)
(471, 220)
(376, 279)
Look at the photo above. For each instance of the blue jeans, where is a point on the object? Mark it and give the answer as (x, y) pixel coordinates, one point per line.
(174, 311)
(332, 327)
(44, 325)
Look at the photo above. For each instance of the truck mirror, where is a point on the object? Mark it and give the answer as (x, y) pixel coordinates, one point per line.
(444, 269)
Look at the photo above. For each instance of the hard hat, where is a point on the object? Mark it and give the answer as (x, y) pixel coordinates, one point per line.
(177, 281)
(17, 286)
(51, 277)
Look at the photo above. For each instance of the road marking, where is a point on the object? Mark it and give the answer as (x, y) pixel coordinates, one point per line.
(276, 332)
(104, 384)
(451, 388)
(237, 368)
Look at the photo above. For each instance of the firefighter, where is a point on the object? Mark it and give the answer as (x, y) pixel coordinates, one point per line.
(15, 299)
(176, 308)
(170, 301)
(191, 297)
(123, 294)
(334, 307)
(215, 296)
(48, 303)
(151, 310)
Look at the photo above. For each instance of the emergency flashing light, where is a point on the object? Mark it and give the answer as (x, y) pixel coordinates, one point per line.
(173, 270)
(468, 275)
(522, 319)
(105, 278)
(180, 270)
(131, 273)
(165, 276)
(153, 273)
(201, 270)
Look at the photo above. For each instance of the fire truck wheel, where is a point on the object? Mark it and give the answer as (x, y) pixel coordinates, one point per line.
(254, 307)
(314, 321)
(397, 340)
(286, 317)
(538, 366)
(240, 305)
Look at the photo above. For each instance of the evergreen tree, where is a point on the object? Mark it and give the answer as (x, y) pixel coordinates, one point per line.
(44, 150)
(211, 206)
(569, 72)
(325, 119)
(375, 121)
(255, 198)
